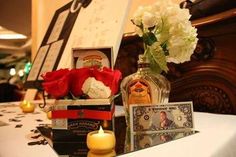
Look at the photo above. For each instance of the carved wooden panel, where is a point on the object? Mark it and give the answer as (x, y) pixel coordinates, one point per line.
(210, 92)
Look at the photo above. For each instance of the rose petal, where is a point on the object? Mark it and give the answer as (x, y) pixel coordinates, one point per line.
(59, 83)
(109, 78)
(115, 83)
(55, 75)
(58, 88)
(78, 76)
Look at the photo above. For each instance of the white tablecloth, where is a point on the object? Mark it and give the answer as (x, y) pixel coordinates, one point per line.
(14, 141)
(217, 137)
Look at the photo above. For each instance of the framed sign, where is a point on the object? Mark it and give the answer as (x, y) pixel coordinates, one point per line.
(100, 25)
(54, 42)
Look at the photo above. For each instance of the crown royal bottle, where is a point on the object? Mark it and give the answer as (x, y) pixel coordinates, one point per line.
(144, 87)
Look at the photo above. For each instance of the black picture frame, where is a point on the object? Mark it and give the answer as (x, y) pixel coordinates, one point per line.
(64, 35)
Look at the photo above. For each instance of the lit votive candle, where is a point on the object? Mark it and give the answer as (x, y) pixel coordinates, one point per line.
(102, 141)
(28, 108)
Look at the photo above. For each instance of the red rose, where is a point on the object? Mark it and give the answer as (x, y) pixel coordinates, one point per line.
(59, 87)
(59, 83)
(115, 83)
(109, 78)
(78, 76)
(55, 75)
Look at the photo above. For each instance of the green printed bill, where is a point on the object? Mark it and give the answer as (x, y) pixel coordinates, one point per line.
(161, 117)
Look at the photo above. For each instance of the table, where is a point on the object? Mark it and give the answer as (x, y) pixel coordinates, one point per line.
(216, 137)
(14, 141)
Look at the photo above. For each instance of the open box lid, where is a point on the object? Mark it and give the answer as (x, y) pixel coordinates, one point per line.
(101, 24)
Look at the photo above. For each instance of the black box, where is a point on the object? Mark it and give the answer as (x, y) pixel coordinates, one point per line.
(73, 119)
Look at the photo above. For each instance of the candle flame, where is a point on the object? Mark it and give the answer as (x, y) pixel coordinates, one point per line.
(100, 131)
(28, 104)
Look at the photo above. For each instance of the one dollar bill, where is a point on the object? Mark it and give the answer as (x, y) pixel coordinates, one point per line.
(161, 117)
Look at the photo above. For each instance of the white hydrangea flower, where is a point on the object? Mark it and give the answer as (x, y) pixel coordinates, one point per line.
(181, 43)
(137, 19)
(95, 89)
(149, 20)
(173, 29)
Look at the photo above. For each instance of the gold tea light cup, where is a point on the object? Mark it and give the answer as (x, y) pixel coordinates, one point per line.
(28, 107)
(23, 103)
(101, 141)
(49, 115)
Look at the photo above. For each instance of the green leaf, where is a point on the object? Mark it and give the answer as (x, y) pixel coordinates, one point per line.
(149, 38)
(157, 61)
(155, 68)
(164, 47)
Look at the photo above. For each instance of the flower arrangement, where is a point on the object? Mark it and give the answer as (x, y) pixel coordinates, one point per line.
(83, 82)
(167, 33)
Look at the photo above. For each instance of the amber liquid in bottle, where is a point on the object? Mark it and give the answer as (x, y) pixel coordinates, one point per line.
(144, 87)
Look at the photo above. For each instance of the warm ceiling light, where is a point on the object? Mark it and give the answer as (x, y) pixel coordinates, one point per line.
(12, 36)
(9, 34)
(12, 71)
(21, 72)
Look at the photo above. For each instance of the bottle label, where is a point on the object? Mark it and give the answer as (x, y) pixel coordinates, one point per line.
(139, 92)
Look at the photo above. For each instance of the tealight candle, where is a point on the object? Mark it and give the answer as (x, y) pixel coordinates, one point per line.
(28, 108)
(23, 103)
(100, 142)
(49, 115)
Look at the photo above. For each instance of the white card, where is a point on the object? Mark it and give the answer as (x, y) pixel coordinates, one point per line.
(99, 25)
(56, 31)
(51, 58)
(37, 63)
